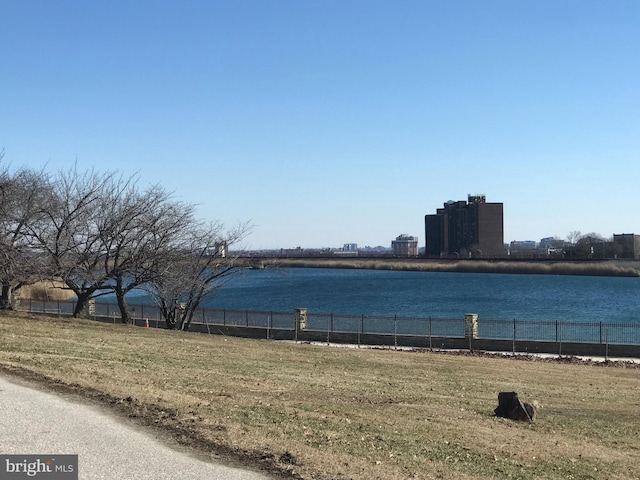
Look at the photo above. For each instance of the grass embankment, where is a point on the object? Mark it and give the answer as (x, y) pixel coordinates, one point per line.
(613, 268)
(340, 413)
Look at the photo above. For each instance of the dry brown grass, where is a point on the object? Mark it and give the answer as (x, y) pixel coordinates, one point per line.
(340, 413)
(599, 268)
(46, 291)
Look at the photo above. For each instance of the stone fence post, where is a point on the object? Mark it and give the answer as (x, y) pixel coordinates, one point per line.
(471, 326)
(300, 320)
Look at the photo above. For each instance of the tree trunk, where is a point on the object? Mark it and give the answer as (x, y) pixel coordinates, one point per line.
(169, 315)
(184, 323)
(82, 306)
(6, 298)
(122, 302)
(188, 315)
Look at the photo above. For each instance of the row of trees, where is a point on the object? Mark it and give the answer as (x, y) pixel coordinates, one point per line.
(100, 233)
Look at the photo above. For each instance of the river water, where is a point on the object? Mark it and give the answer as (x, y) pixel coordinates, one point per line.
(433, 294)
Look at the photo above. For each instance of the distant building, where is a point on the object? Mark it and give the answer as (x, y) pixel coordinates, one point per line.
(551, 246)
(379, 250)
(347, 250)
(405, 246)
(551, 242)
(523, 245)
(292, 252)
(627, 245)
(523, 248)
(465, 229)
(220, 249)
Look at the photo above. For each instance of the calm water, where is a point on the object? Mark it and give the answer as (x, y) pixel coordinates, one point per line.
(424, 294)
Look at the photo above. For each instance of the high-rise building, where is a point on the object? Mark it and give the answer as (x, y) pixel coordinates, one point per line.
(405, 246)
(473, 228)
(627, 245)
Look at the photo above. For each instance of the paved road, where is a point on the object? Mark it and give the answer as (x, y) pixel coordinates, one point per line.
(36, 422)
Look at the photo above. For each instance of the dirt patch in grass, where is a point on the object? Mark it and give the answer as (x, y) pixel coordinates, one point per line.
(307, 411)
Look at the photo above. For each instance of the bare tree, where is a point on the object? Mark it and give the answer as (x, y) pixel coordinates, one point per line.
(68, 233)
(573, 237)
(594, 246)
(137, 231)
(100, 234)
(197, 266)
(22, 195)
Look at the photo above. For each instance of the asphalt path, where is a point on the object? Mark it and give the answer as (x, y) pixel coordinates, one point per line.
(35, 422)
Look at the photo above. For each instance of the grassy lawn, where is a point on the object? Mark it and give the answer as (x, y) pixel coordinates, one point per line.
(340, 413)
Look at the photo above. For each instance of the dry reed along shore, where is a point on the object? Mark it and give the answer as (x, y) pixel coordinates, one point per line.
(614, 268)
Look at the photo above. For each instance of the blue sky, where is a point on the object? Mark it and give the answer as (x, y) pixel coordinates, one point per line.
(332, 122)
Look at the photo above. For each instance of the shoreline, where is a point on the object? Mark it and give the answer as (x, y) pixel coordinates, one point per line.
(608, 268)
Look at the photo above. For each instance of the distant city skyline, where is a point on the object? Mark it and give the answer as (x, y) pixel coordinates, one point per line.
(325, 123)
(520, 243)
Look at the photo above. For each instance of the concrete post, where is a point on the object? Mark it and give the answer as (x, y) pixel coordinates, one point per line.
(301, 318)
(471, 325)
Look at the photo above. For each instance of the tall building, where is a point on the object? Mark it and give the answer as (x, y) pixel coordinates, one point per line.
(405, 246)
(473, 228)
(627, 245)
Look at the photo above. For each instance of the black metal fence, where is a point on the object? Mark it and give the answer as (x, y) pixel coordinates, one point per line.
(335, 325)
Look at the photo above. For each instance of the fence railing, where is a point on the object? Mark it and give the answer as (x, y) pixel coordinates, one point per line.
(336, 324)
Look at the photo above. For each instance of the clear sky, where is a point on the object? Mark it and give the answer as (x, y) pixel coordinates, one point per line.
(337, 121)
